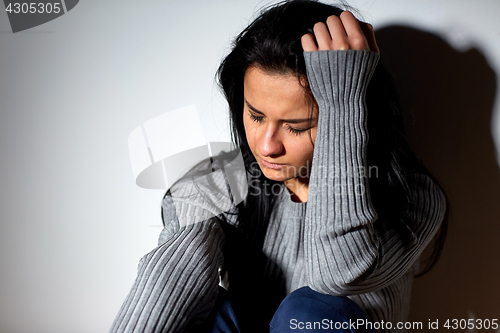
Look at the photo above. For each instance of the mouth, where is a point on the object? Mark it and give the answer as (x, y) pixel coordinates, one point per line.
(275, 166)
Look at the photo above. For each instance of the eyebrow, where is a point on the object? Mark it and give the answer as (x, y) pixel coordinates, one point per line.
(291, 121)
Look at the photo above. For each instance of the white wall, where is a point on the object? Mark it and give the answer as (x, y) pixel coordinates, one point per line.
(73, 223)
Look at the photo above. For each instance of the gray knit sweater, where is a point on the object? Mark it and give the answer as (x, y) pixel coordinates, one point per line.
(335, 243)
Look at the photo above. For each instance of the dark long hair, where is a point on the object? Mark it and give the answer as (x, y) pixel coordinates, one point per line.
(272, 42)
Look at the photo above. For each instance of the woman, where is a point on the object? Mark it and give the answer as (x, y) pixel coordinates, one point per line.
(332, 221)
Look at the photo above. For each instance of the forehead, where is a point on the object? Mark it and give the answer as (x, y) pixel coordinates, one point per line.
(279, 95)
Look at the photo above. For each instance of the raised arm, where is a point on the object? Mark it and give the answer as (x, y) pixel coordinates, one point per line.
(348, 249)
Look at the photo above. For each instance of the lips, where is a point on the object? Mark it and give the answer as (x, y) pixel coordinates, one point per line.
(275, 166)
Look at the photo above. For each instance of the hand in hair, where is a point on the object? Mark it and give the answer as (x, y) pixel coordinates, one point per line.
(341, 33)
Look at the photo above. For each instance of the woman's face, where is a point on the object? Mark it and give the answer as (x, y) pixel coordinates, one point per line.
(276, 116)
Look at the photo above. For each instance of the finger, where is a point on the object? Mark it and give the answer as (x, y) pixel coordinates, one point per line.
(308, 43)
(337, 32)
(322, 36)
(370, 36)
(355, 36)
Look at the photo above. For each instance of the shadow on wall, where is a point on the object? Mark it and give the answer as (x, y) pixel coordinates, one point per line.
(447, 98)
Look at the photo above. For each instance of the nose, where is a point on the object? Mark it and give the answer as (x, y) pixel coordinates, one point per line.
(270, 143)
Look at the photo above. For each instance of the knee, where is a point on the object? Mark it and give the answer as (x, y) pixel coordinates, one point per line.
(308, 311)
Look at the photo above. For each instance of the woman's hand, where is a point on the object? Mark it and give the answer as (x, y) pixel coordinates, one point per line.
(341, 33)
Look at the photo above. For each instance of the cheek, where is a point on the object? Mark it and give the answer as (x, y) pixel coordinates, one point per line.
(313, 134)
(248, 125)
(297, 151)
(313, 138)
(305, 151)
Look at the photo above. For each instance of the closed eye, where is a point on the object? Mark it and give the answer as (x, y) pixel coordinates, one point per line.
(255, 118)
(295, 130)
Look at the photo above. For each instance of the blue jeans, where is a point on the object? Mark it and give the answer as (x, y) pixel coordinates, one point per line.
(304, 310)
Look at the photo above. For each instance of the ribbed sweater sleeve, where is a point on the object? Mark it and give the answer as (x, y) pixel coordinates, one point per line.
(348, 250)
(177, 283)
(176, 286)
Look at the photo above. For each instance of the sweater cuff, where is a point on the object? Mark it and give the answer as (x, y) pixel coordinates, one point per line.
(339, 77)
